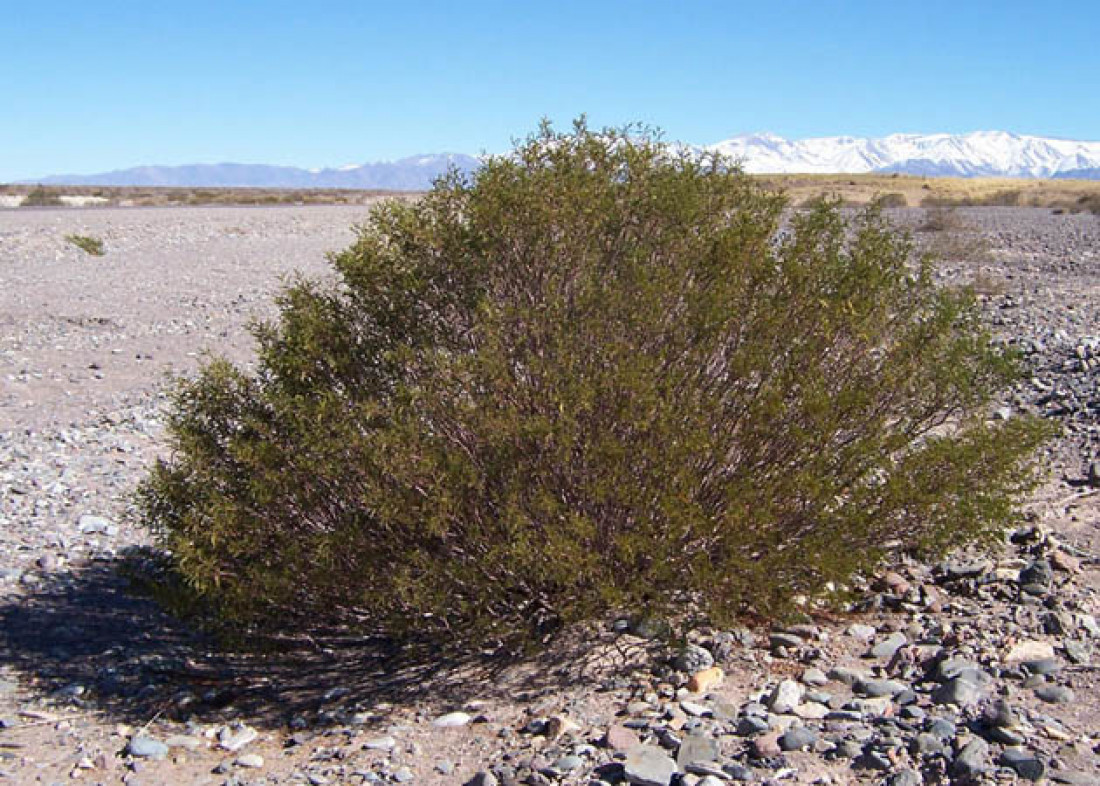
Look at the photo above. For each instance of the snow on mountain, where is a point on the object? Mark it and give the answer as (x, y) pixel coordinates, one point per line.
(982, 153)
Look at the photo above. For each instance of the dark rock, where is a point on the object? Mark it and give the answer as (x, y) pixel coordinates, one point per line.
(1024, 763)
(972, 760)
(797, 738)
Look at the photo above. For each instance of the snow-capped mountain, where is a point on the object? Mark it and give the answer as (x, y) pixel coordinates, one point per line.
(980, 154)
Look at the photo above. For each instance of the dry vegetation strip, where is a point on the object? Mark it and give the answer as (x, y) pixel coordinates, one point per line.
(898, 191)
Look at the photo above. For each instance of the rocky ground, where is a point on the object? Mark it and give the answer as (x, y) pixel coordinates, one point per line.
(976, 669)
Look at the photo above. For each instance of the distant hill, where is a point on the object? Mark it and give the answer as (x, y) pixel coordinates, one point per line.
(980, 154)
(407, 174)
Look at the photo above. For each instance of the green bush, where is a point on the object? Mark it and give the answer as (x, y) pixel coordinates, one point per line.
(92, 246)
(40, 196)
(594, 376)
(892, 199)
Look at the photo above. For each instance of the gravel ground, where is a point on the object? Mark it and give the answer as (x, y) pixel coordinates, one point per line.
(973, 670)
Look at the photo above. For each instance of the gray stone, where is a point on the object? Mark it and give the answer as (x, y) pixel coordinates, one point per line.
(797, 738)
(752, 724)
(383, 743)
(848, 749)
(880, 687)
(649, 766)
(1054, 694)
(957, 571)
(999, 714)
(1005, 736)
(925, 744)
(739, 772)
(693, 658)
(887, 648)
(1043, 666)
(942, 728)
(452, 720)
(1024, 763)
(704, 768)
(905, 778)
(1038, 573)
(1076, 651)
(861, 632)
(483, 778)
(846, 676)
(785, 697)
(696, 748)
(568, 763)
(814, 677)
(958, 691)
(232, 738)
(972, 760)
(403, 775)
(146, 748)
(784, 640)
(252, 761)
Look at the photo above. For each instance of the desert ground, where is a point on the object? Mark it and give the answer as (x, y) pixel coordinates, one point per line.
(980, 668)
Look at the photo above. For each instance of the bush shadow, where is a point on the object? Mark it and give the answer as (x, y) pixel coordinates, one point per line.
(88, 637)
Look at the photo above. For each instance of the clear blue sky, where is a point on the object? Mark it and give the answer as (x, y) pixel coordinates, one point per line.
(92, 86)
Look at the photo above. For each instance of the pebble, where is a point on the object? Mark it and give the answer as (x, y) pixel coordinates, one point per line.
(252, 761)
(147, 748)
(452, 720)
(887, 648)
(384, 743)
(233, 738)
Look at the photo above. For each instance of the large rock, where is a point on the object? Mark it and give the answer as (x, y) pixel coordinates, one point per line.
(960, 691)
(696, 748)
(972, 760)
(146, 748)
(649, 766)
(785, 697)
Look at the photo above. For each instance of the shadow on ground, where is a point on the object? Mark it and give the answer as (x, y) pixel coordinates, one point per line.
(88, 629)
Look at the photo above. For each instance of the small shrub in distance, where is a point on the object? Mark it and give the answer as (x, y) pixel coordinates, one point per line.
(92, 246)
(41, 197)
(597, 375)
(893, 199)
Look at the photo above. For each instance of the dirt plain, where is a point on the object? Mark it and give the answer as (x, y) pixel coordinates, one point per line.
(88, 663)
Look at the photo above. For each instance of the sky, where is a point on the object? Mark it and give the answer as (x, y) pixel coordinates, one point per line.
(89, 87)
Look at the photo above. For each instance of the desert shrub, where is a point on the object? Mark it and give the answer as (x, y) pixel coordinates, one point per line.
(92, 246)
(940, 218)
(951, 239)
(39, 196)
(891, 200)
(595, 375)
(1089, 202)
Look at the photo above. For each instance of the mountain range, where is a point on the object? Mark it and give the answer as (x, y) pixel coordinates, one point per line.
(979, 154)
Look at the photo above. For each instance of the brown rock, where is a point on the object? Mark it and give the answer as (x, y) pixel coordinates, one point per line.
(766, 745)
(1059, 560)
(620, 738)
(702, 681)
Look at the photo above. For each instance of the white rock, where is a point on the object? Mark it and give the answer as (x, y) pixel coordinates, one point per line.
(786, 696)
(1030, 650)
(452, 720)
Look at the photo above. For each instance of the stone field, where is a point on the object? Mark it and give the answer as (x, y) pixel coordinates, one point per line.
(975, 668)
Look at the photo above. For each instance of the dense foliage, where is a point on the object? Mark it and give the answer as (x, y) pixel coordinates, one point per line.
(594, 375)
